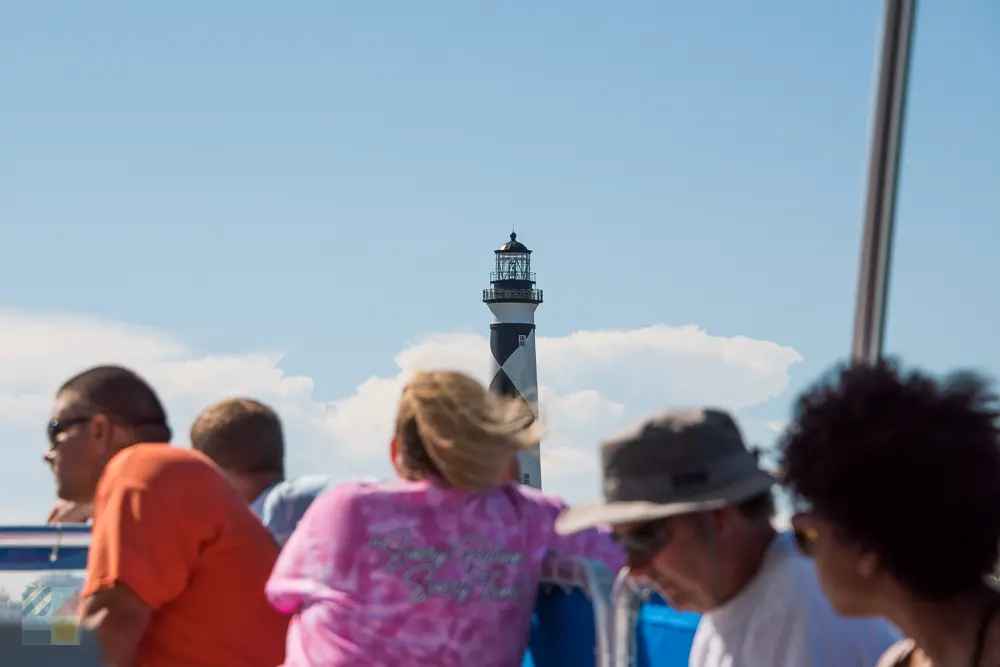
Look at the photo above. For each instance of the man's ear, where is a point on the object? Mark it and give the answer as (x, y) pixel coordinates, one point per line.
(102, 432)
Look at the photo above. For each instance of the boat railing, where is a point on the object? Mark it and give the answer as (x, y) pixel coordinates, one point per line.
(37, 548)
(645, 631)
(625, 603)
(570, 623)
(41, 571)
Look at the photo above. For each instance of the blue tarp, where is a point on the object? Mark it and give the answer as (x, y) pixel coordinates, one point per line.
(562, 630)
(664, 635)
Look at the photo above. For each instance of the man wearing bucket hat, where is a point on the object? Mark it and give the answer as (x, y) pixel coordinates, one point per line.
(693, 510)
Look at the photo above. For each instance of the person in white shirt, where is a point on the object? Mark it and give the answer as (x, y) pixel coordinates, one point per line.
(693, 510)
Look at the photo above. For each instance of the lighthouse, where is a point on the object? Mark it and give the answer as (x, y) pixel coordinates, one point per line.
(512, 298)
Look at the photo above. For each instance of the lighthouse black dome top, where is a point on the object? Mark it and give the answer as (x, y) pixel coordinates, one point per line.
(512, 279)
(513, 246)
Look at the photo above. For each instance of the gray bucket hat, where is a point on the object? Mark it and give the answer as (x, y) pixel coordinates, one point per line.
(674, 463)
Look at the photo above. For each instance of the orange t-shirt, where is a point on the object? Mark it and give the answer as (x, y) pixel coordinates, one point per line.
(170, 527)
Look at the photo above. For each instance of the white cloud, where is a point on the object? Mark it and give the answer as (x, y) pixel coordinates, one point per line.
(593, 382)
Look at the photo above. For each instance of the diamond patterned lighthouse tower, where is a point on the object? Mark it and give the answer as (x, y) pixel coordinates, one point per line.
(512, 299)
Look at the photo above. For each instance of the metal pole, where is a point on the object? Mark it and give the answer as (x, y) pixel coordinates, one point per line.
(883, 176)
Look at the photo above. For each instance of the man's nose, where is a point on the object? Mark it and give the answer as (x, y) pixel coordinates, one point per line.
(49, 456)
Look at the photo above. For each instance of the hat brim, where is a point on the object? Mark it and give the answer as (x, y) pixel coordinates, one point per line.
(597, 513)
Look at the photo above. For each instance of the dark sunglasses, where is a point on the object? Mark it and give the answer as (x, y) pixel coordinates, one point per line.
(645, 540)
(58, 426)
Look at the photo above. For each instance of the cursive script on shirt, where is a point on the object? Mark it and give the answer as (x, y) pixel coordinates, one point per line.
(483, 569)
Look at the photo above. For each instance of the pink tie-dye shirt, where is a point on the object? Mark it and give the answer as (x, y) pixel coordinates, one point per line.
(401, 574)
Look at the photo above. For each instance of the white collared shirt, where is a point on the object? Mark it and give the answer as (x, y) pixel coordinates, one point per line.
(781, 618)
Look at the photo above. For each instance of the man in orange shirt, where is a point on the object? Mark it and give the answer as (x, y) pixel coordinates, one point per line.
(177, 563)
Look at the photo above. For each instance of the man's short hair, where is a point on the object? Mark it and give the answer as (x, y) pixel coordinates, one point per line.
(127, 400)
(241, 435)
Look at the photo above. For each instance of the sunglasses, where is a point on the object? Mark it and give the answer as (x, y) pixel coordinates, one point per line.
(59, 426)
(644, 541)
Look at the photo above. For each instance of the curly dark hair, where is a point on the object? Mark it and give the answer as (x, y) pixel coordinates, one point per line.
(906, 466)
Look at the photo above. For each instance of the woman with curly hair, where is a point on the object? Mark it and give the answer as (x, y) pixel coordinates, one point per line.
(901, 477)
(440, 567)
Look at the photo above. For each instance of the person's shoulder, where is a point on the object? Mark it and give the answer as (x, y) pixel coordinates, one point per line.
(533, 508)
(379, 500)
(345, 495)
(536, 499)
(360, 486)
(152, 464)
(291, 497)
(303, 487)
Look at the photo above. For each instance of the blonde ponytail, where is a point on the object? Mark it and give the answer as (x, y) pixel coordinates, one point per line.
(449, 425)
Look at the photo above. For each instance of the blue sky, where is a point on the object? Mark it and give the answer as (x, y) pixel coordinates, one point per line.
(328, 180)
